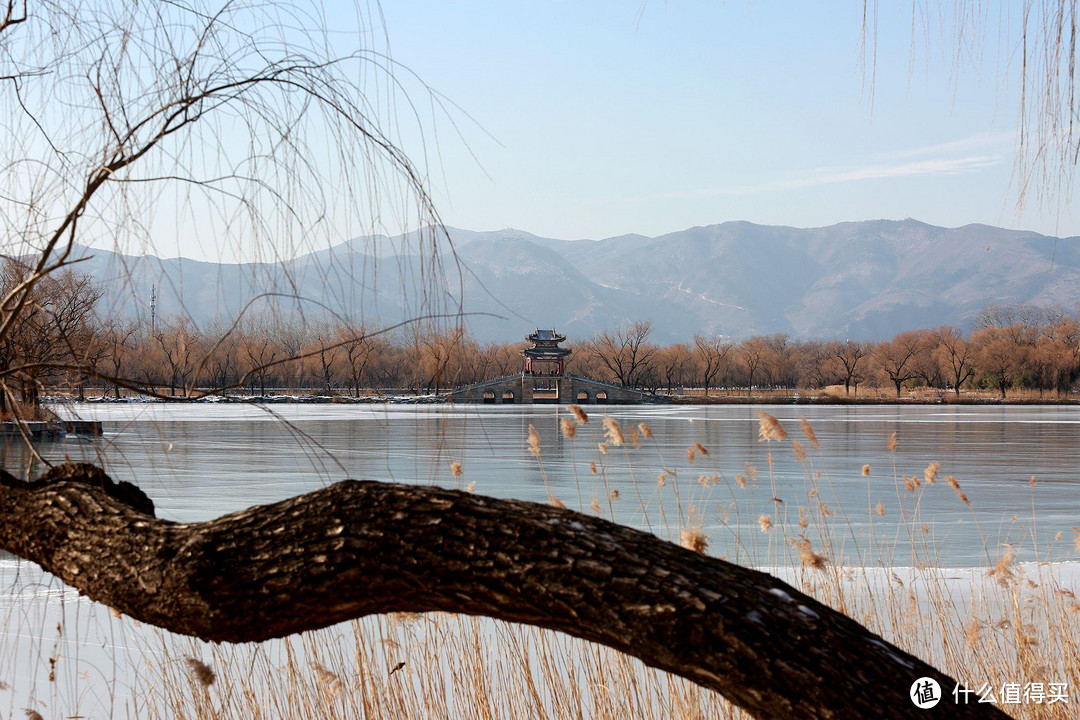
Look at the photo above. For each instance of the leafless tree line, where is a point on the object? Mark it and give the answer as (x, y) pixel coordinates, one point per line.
(1011, 347)
(60, 342)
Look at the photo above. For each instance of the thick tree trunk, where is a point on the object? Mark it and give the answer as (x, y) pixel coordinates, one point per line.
(357, 548)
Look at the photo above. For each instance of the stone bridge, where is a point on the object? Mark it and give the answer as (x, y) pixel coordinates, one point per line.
(537, 389)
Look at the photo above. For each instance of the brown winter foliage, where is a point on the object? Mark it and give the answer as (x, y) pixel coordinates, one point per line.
(62, 344)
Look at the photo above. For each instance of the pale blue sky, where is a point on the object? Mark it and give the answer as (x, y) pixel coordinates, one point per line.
(596, 119)
(593, 120)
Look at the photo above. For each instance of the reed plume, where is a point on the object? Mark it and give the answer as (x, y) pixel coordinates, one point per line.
(612, 431)
(769, 428)
(807, 556)
(569, 429)
(808, 431)
(692, 538)
(201, 672)
(533, 442)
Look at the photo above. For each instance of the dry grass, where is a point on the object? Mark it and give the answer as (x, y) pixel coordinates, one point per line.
(1006, 623)
(436, 666)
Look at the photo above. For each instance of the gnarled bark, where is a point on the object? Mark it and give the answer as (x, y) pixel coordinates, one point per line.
(357, 548)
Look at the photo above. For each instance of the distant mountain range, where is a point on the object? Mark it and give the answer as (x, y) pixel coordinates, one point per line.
(866, 280)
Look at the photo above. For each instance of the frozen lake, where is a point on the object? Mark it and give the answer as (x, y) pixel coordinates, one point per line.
(199, 461)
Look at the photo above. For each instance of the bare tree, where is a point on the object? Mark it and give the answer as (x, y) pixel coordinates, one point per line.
(119, 339)
(712, 355)
(755, 355)
(675, 365)
(999, 356)
(850, 356)
(899, 358)
(358, 348)
(436, 351)
(262, 352)
(814, 365)
(507, 359)
(51, 328)
(1065, 336)
(956, 356)
(181, 346)
(626, 352)
(324, 355)
(222, 365)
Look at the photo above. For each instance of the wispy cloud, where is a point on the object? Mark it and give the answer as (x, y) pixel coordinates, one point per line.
(995, 142)
(967, 155)
(937, 166)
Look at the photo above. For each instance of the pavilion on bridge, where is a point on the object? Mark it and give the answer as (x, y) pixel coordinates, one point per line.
(545, 357)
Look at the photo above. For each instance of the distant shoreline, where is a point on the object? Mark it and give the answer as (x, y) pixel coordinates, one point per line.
(828, 400)
(727, 399)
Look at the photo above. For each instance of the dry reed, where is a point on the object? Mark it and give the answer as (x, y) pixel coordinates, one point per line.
(533, 442)
(569, 429)
(1012, 622)
(201, 672)
(612, 431)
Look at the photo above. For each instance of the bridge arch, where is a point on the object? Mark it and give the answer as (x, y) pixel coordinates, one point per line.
(534, 389)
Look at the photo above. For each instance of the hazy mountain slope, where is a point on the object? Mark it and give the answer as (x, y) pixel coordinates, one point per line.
(861, 279)
(356, 286)
(917, 275)
(867, 279)
(535, 287)
(732, 277)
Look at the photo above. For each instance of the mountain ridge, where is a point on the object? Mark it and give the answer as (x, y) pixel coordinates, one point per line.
(862, 279)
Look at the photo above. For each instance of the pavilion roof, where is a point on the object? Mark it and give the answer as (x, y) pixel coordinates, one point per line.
(546, 336)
